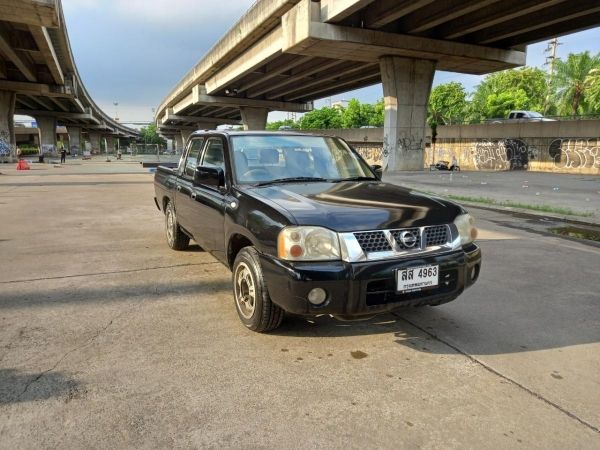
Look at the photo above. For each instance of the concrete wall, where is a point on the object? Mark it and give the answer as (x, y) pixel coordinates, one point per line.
(557, 146)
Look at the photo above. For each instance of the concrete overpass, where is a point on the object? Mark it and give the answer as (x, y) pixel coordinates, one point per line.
(39, 78)
(283, 54)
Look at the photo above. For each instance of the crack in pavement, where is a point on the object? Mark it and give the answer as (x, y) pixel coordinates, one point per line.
(79, 347)
(501, 375)
(110, 272)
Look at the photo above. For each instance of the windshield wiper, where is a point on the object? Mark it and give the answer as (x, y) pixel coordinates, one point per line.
(290, 180)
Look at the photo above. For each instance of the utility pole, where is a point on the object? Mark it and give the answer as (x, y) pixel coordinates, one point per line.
(550, 62)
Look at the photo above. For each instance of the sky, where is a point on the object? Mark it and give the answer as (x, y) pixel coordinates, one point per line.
(133, 52)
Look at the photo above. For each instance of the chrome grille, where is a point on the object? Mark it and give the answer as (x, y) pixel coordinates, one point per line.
(410, 243)
(437, 235)
(373, 241)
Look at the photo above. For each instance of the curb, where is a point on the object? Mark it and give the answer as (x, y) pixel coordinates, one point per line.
(529, 213)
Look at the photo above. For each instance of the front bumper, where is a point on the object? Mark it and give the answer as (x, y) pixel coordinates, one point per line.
(366, 288)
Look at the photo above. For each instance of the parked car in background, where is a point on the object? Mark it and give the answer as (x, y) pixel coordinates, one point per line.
(522, 116)
(308, 227)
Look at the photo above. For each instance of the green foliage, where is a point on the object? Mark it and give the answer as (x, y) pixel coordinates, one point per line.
(322, 119)
(150, 135)
(447, 104)
(575, 91)
(282, 123)
(27, 150)
(593, 90)
(359, 114)
(525, 87)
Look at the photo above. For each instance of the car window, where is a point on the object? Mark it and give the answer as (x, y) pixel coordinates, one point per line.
(192, 159)
(520, 115)
(214, 153)
(260, 158)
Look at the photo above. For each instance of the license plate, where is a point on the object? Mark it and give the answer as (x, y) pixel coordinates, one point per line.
(417, 278)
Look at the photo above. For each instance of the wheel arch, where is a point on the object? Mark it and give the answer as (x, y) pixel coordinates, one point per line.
(236, 242)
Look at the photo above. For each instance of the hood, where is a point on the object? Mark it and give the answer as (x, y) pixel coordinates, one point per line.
(357, 206)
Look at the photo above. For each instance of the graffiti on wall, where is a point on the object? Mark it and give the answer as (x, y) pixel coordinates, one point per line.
(575, 153)
(503, 154)
(5, 146)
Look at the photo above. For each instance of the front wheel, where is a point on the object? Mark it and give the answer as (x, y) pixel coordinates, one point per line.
(176, 238)
(252, 301)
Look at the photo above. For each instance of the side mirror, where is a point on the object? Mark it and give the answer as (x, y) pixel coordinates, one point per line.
(378, 171)
(209, 176)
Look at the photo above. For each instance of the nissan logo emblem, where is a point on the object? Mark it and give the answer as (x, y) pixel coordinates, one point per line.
(408, 239)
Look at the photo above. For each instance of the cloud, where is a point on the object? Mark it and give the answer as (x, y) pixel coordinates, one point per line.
(177, 13)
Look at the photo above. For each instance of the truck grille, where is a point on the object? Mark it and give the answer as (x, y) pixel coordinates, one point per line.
(373, 241)
(405, 239)
(436, 235)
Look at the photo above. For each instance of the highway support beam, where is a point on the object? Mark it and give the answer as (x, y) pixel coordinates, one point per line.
(7, 125)
(94, 142)
(74, 140)
(254, 118)
(406, 87)
(109, 142)
(47, 131)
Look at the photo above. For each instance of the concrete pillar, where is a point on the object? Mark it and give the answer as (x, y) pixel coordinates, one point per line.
(406, 87)
(94, 142)
(7, 125)
(254, 118)
(75, 140)
(110, 143)
(185, 134)
(178, 141)
(47, 131)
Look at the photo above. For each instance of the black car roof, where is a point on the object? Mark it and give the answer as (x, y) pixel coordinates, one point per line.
(255, 133)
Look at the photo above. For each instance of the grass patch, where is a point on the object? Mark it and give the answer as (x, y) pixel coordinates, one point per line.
(541, 208)
(577, 233)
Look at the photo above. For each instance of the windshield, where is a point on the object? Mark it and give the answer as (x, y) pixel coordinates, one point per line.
(280, 158)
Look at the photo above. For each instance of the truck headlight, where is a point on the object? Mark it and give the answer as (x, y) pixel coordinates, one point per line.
(308, 244)
(466, 228)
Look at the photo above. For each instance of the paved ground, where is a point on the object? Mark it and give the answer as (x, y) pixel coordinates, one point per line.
(108, 339)
(578, 193)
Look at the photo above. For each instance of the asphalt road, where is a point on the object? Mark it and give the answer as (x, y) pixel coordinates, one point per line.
(108, 339)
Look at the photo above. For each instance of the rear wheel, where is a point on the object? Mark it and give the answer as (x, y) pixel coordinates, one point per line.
(252, 301)
(176, 238)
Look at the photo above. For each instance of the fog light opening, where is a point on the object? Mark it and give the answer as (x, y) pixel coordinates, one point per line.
(317, 296)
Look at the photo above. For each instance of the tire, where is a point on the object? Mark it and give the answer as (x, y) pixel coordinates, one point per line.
(176, 239)
(251, 296)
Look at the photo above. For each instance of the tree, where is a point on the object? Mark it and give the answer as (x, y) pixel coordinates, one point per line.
(358, 114)
(322, 118)
(282, 123)
(447, 103)
(525, 87)
(592, 82)
(150, 135)
(572, 83)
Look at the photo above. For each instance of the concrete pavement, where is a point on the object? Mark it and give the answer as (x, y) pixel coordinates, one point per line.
(578, 193)
(108, 339)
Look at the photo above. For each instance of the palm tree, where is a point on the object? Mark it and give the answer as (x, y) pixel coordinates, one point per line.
(592, 82)
(570, 81)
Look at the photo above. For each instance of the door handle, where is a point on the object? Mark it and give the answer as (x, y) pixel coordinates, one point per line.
(179, 188)
(193, 195)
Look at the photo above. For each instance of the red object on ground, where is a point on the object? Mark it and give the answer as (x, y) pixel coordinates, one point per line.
(22, 165)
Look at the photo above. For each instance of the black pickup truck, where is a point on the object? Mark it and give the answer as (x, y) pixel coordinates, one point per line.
(307, 227)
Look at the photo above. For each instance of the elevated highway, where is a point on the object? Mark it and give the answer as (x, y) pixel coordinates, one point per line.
(284, 54)
(39, 78)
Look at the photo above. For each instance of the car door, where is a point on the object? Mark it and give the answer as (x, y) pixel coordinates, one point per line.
(184, 204)
(210, 201)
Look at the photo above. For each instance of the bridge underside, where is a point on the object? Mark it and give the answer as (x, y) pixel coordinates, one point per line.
(38, 75)
(288, 52)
